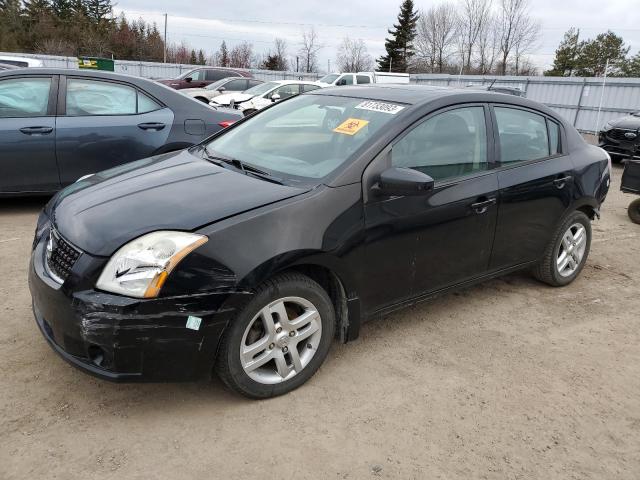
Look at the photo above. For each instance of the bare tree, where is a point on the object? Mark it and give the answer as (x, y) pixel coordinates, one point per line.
(241, 56)
(309, 50)
(518, 32)
(473, 17)
(488, 46)
(352, 56)
(437, 32)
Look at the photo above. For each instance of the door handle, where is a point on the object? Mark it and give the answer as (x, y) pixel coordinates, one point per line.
(483, 205)
(36, 130)
(151, 126)
(562, 181)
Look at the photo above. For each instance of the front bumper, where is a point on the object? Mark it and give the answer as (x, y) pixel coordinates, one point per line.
(620, 148)
(125, 339)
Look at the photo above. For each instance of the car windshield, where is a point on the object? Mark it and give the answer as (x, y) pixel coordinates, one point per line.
(217, 85)
(261, 89)
(185, 75)
(304, 138)
(329, 78)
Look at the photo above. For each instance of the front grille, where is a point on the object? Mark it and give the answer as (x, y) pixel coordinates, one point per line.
(61, 256)
(619, 134)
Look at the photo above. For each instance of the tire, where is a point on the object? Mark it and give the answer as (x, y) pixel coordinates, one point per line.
(549, 269)
(259, 372)
(634, 211)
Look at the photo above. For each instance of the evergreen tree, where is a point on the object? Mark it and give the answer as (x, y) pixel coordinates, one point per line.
(62, 9)
(192, 59)
(98, 11)
(594, 55)
(565, 62)
(631, 68)
(223, 55)
(201, 59)
(399, 45)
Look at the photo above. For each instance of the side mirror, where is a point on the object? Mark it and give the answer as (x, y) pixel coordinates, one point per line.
(275, 97)
(397, 181)
(188, 79)
(221, 89)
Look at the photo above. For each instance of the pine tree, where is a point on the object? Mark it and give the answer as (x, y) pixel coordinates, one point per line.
(98, 11)
(594, 55)
(192, 59)
(224, 55)
(201, 59)
(399, 45)
(567, 55)
(62, 9)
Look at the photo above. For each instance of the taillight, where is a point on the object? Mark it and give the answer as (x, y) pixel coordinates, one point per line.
(226, 123)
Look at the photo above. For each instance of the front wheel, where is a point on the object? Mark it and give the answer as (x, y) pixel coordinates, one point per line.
(279, 339)
(634, 211)
(567, 251)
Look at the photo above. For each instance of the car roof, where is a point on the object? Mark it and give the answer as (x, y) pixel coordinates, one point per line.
(423, 94)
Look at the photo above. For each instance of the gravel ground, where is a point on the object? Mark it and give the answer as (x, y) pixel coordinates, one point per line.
(509, 379)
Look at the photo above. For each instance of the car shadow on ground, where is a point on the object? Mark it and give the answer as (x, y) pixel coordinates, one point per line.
(22, 205)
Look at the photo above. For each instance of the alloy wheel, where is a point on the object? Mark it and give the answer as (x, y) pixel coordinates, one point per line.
(571, 251)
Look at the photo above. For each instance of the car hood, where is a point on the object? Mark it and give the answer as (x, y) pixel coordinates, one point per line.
(629, 122)
(226, 98)
(175, 191)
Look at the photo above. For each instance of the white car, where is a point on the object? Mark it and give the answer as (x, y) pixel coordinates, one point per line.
(359, 78)
(263, 95)
(223, 86)
(22, 62)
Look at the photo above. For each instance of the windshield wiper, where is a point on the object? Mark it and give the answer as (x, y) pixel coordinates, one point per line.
(246, 168)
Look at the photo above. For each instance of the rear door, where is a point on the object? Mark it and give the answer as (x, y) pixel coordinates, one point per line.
(28, 133)
(536, 184)
(102, 124)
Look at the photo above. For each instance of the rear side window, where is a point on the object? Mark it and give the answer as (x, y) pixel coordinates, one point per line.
(215, 75)
(309, 88)
(523, 135)
(94, 97)
(363, 79)
(24, 97)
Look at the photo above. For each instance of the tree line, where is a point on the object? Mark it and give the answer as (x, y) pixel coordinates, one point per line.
(457, 36)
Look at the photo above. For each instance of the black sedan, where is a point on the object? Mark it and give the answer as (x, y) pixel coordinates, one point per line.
(59, 125)
(247, 254)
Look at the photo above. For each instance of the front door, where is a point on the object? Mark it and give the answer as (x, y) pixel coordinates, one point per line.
(28, 134)
(105, 124)
(420, 244)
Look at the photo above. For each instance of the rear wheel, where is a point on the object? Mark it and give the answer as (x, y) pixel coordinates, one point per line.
(634, 211)
(279, 339)
(567, 251)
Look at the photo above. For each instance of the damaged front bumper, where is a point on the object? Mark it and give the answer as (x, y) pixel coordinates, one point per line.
(618, 146)
(126, 339)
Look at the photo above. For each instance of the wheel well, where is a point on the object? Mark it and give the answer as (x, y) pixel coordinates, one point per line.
(332, 284)
(589, 211)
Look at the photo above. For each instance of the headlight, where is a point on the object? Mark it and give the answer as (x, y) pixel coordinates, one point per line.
(140, 268)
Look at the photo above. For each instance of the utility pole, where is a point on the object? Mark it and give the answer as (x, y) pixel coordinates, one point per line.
(297, 63)
(604, 84)
(328, 65)
(165, 38)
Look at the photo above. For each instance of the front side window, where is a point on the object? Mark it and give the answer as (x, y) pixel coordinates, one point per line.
(196, 75)
(304, 138)
(236, 85)
(346, 80)
(523, 135)
(329, 78)
(447, 145)
(94, 97)
(24, 97)
(309, 88)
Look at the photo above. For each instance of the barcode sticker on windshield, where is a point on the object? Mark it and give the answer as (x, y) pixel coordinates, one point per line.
(379, 107)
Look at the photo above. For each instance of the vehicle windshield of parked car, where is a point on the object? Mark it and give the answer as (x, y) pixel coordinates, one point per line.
(217, 85)
(329, 78)
(304, 138)
(261, 89)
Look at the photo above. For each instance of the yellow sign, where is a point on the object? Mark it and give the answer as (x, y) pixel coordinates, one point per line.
(351, 126)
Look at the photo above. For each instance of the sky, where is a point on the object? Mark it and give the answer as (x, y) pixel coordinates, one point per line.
(204, 25)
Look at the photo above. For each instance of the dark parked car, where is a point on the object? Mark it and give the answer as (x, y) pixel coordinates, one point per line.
(621, 137)
(201, 77)
(247, 254)
(59, 125)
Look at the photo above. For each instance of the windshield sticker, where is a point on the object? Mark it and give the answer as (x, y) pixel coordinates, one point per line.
(351, 126)
(379, 107)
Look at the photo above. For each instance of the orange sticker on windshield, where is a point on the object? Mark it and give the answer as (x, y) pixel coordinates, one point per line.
(351, 126)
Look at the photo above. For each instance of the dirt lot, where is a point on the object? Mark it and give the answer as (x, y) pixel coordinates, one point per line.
(510, 379)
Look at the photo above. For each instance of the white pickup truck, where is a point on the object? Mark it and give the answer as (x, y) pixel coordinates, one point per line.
(359, 78)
